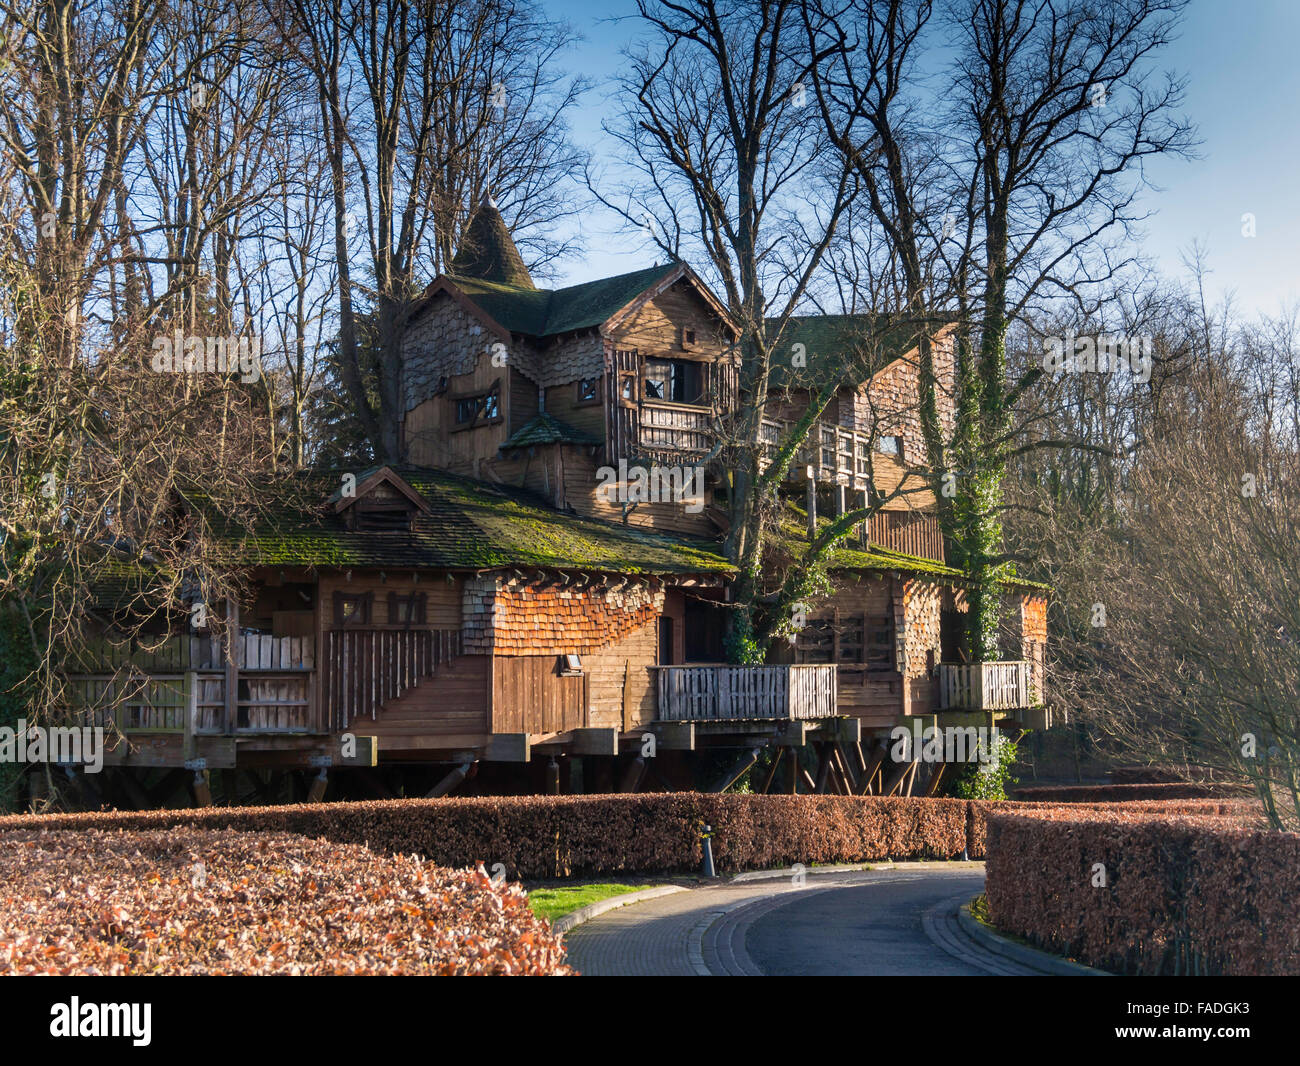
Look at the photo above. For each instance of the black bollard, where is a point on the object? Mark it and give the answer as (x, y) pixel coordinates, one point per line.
(706, 863)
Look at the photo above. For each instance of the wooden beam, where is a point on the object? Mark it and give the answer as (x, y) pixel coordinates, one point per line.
(777, 755)
(674, 736)
(868, 775)
(595, 741)
(792, 734)
(823, 768)
(508, 747)
(231, 710)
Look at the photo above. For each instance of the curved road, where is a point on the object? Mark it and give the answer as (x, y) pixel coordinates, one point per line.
(885, 922)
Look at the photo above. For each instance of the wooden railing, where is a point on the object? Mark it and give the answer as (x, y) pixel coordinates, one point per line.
(983, 686)
(365, 668)
(910, 532)
(275, 701)
(730, 693)
(675, 427)
(154, 688)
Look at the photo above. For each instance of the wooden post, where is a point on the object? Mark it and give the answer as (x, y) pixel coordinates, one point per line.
(188, 746)
(232, 667)
(812, 504)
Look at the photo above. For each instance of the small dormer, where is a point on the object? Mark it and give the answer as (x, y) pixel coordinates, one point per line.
(380, 502)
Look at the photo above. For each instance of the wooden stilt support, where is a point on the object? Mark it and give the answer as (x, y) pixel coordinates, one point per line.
(632, 777)
(202, 790)
(869, 783)
(318, 786)
(936, 779)
(823, 768)
(552, 777)
(777, 755)
(733, 774)
(450, 781)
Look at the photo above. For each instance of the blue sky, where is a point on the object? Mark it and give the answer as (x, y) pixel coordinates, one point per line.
(1243, 94)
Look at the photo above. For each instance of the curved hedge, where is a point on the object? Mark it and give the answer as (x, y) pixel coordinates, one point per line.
(1177, 790)
(1181, 895)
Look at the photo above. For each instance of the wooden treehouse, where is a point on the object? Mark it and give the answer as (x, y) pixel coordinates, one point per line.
(485, 617)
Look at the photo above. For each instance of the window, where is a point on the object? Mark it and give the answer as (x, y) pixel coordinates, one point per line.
(673, 380)
(387, 518)
(627, 385)
(570, 665)
(406, 610)
(860, 640)
(589, 390)
(688, 338)
(352, 608)
(890, 445)
(485, 407)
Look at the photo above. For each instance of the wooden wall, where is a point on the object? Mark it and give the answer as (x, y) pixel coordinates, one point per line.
(530, 696)
(655, 328)
(429, 428)
(620, 688)
(562, 402)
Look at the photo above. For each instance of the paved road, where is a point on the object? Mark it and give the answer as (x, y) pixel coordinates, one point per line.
(889, 922)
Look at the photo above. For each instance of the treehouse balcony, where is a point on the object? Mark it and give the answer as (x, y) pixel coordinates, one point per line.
(272, 685)
(718, 692)
(675, 428)
(1002, 686)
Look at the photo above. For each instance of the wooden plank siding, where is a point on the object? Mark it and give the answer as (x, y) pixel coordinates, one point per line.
(530, 696)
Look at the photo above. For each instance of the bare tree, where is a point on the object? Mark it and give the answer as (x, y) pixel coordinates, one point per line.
(424, 110)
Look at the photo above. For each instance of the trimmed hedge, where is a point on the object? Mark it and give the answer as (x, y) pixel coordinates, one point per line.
(1181, 790)
(200, 901)
(1182, 895)
(538, 837)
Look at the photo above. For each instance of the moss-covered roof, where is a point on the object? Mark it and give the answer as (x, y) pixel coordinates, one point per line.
(844, 350)
(792, 538)
(488, 252)
(546, 429)
(548, 312)
(468, 526)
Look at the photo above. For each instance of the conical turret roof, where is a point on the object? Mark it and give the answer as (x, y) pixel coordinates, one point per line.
(487, 251)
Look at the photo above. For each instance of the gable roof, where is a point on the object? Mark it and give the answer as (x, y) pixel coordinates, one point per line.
(467, 526)
(488, 252)
(843, 350)
(548, 312)
(384, 475)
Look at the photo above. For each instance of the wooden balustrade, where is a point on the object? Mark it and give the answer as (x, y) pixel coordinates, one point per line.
(731, 693)
(675, 427)
(365, 668)
(1002, 686)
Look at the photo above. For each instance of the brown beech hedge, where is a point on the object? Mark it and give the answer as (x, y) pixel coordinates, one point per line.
(1185, 895)
(204, 901)
(536, 837)
(1124, 793)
